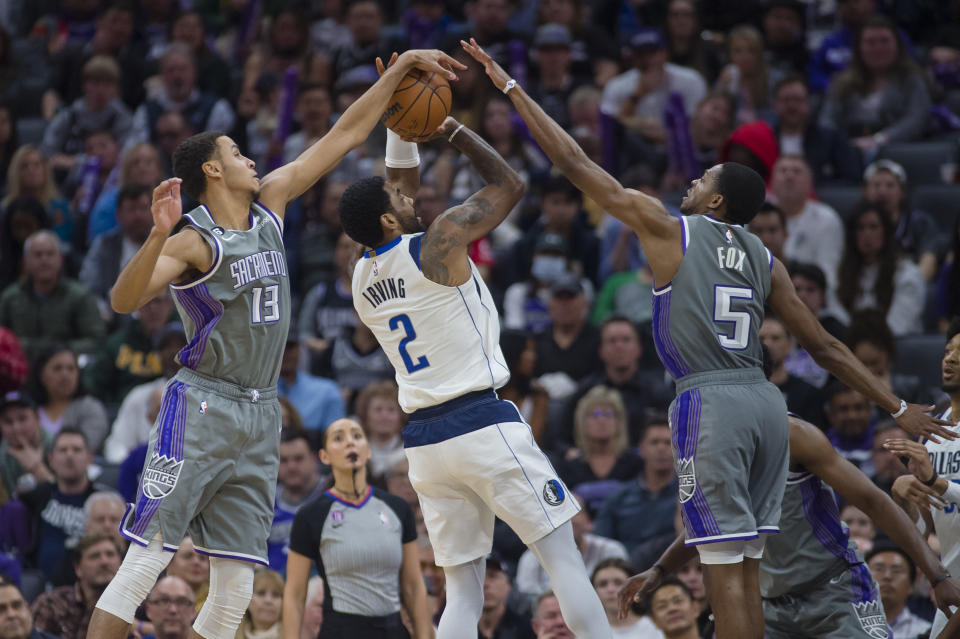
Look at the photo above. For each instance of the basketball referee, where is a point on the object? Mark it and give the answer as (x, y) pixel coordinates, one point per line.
(363, 541)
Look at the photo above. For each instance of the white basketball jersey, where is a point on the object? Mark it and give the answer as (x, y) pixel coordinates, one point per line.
(945, 458)
(443, 341)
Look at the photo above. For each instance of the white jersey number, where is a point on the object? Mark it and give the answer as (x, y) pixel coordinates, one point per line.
(270, 311)
(402, 320)
(723, 314)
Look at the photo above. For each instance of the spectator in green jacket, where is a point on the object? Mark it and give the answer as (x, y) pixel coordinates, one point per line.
(128, 358)
(47, 307)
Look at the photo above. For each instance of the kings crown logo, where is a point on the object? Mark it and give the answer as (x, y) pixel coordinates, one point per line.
(160, 477)
(872, 619)
(687, 479)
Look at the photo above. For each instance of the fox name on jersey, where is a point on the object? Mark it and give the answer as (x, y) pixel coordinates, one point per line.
(256, 266)
(386, 289)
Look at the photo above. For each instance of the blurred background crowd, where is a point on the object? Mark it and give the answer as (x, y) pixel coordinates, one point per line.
(849, 109)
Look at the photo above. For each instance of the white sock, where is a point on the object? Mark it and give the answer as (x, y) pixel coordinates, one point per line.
(579, 603)
(464, 600)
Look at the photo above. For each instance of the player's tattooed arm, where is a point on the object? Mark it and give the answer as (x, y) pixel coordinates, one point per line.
(443, 254)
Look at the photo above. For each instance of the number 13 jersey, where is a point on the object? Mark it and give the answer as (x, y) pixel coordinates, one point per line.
(237, 314)
(443, 341)
(708, 317)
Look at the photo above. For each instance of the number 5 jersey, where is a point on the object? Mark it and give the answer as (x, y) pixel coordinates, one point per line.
(443, 341)
(708, 317)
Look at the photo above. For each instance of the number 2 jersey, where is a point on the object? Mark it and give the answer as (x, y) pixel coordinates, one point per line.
(237, 314)
(443, 341)
(708, 317)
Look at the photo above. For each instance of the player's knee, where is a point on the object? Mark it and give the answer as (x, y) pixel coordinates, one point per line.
(231, 588)
(136, 577)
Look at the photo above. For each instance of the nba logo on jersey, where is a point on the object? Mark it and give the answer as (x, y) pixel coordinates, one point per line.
(729, 236)
(203, 408)
(687, 479)
(384, 520)
(160, 477)
(376, 269)
(872, 619)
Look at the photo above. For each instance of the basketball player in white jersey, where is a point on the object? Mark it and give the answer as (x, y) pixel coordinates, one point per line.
(934, 488)
(471, 455)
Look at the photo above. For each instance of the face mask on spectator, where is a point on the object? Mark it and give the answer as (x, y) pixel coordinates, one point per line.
(547, 268)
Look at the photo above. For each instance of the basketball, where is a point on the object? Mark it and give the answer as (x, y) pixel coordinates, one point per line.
(419, 105)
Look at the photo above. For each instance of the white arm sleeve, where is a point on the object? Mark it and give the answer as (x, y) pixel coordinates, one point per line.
(952, 494)
(401, 154)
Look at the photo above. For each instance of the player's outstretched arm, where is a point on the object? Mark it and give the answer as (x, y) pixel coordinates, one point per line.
(831, 354)
(673, 558)
(811, 448)
(644, 214)
(443, 252)
(289, 181)
(162, 259)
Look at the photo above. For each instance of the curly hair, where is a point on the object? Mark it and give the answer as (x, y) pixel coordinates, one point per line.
(188, 159)
(360, 208)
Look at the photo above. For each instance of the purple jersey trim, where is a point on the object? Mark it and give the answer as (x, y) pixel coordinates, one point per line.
(666, 348)
(820, 509)
(171, 424)
(697, 516)
(204, 311)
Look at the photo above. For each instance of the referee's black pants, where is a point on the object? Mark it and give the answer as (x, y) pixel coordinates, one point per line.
(339, 625)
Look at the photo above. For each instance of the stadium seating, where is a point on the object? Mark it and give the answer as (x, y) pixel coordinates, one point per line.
(922, 160)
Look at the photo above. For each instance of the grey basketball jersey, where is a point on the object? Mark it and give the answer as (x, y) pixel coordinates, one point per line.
(812, 538)
(708, 317)
(237, 314)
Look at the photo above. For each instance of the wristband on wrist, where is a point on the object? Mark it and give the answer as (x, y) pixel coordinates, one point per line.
(939, 580)
(903, 409)
(400, 153)
(455, 131)
(509, 85)
(657, 565)
(933, 479)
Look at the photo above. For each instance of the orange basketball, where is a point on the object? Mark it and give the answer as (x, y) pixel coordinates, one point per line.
(419, 105)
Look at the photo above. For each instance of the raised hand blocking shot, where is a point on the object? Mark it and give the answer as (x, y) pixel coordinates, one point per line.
(706, 318)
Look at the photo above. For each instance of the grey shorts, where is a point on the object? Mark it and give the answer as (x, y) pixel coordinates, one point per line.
(731, 449)
(846, 606)
(211, 469)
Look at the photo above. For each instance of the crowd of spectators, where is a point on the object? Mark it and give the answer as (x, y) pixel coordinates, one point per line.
(850, 110)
